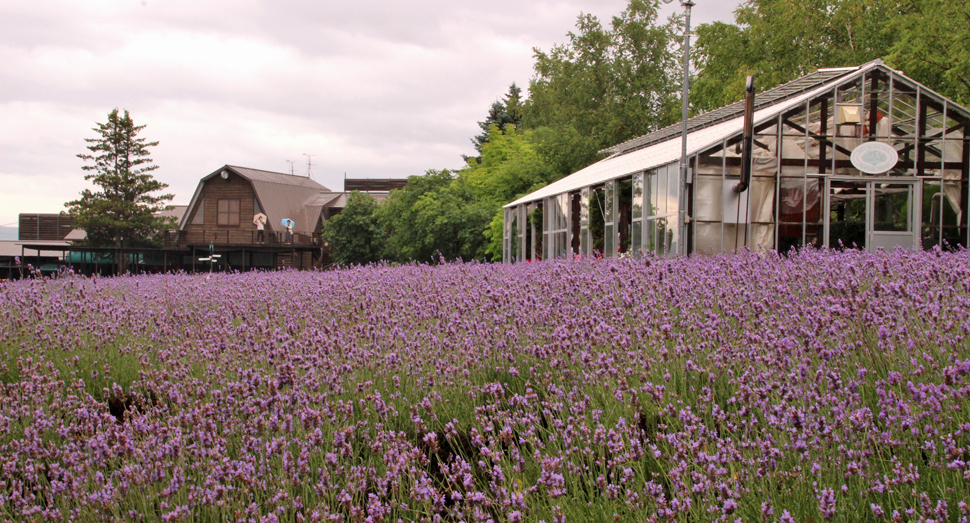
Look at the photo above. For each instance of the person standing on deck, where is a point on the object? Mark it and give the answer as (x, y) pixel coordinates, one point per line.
(260, 220)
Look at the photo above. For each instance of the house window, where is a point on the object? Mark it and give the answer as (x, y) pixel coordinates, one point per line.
(228, 212)
(199, 218)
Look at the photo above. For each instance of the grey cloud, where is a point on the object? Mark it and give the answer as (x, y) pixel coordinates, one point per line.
(400, 85)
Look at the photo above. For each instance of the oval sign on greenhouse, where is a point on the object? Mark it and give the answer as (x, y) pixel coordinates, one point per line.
(874, 157)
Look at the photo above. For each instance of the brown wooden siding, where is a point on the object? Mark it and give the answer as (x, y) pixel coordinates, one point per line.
(44, 227)
(371, 184)
(234, 188)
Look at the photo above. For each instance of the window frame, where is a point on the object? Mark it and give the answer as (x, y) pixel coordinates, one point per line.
(227, 217)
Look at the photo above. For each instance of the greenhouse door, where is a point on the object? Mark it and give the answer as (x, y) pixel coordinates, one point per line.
(871, 214)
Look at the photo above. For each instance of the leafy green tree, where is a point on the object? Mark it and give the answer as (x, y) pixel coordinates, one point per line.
(510, 167)
(122, 210)
(933, 45)
(604, 86)
(780, 40)
(356, 234)
(435, 216)
(398, 216)
(452, 221)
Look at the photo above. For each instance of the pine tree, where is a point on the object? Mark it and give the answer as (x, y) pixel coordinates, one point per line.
(502, 113)
(122, 210)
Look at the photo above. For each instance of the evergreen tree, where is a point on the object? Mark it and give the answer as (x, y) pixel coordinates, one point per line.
(121, 211)
(502, 113)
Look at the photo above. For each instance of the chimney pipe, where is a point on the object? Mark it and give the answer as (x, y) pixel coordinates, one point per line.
(747, 137)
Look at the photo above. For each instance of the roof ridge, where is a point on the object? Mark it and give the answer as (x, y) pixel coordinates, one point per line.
(266, 171)
(775, 95)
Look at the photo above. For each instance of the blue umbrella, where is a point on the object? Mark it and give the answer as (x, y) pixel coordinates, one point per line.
(288, 222)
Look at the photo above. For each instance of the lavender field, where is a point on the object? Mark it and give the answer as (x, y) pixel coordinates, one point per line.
(822, 387)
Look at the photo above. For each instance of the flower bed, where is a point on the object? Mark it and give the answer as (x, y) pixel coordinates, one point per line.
(824, 386)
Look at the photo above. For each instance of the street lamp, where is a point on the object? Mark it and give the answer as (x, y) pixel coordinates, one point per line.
(682, 200)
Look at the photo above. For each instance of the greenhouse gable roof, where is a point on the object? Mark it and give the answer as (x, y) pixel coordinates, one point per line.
(664, 146)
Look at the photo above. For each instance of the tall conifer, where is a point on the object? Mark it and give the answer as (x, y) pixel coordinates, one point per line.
(121, 211)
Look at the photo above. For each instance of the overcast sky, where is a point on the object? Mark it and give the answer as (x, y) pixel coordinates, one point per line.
(370, 88)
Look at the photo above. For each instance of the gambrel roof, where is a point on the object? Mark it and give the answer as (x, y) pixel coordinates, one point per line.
(703, 131)
(279, 195)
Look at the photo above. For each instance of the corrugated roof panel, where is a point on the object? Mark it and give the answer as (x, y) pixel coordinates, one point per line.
(325, 199)
(177, 211)
(76, 235)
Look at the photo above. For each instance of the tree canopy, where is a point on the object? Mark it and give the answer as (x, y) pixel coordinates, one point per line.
(122, 209)
(604, 86)
(780, 40)
(356, 234)
(435, 216)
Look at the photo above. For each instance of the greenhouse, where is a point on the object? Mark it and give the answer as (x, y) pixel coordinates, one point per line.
(857, 157)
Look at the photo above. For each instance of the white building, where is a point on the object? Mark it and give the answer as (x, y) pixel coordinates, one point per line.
(805, 189)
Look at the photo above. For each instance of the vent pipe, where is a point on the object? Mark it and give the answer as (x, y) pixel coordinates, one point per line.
(747, 137)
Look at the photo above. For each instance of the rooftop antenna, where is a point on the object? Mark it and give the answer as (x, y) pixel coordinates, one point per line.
(309, 164)
(291, 167)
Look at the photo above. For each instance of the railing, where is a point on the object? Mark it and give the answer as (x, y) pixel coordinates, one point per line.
(236, 237)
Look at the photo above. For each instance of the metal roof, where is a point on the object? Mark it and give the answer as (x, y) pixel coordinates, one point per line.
(259, 175)
(76, 235)
(664, 146)
(325, 199)
(176, 211)
(288, 201)
(279, 195)
(15, 248)
(340, 200)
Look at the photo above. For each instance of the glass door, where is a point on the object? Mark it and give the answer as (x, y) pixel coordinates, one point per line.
(845, 211)
(891, 215)
(870, 214)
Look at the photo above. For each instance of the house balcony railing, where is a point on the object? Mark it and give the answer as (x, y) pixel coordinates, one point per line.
(235, 237)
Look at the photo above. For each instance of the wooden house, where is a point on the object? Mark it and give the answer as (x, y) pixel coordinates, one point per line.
(222, 210)
(219, 220)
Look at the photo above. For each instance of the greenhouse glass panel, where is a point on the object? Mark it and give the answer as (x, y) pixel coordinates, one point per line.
(507, 236)
(707, 198)
(636, 229)
(609, 219)
(707, 238)
(673, 189)
(661, 176)
(584, 239)
(652, 193)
